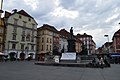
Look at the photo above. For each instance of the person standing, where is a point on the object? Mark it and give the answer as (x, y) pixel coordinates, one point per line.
(101, 63)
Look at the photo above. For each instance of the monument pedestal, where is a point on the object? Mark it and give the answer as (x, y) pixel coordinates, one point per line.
(71, 45)
(69, 57)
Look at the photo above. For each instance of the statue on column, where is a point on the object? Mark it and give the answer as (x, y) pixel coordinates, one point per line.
(71, 42)
(71, 33)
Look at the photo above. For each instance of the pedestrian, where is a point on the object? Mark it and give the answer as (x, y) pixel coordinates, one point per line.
(94, 62)
(107, 63)
(101, 62)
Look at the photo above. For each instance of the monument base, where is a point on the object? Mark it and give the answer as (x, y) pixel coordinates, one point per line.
(68, 57)
(71, 45)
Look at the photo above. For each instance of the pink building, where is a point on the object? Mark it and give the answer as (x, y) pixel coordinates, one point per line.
(116, 42)
(88, 42)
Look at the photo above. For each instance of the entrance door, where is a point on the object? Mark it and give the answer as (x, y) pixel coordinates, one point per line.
(22, 56)
(12, 56)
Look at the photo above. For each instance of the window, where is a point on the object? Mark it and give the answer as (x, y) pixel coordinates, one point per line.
(54, 39)
(42, 39)
(47, 47)
(50, 40)
(27, 48)
(0, 46)
(23, 35)
(118, 47)
(60, 46)
(15, 30)
(15, 21)
(47, 40)
(33, 26)
(1, 30)
(43, 32)
(32, 47)
(23, 32)
(42, 47)
(13, 46)
(24, 23)
(0, 39)
(50, 48)
(20, 16)
(22, 46)
(32, 39)
(23, 38)
(29, 19)
(14, 37)
(28, 37)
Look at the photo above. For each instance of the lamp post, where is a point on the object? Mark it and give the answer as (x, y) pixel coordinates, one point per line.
(108, 41)
(1, 11)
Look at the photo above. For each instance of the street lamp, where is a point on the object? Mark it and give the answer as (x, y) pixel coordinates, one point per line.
(1, 11)
(108, 41)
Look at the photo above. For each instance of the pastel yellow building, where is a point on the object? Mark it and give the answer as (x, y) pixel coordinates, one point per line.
(21, 32)
(45, 39)
(78, 45)
(2, 35)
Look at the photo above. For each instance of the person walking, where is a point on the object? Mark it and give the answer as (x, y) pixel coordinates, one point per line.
(101, 62)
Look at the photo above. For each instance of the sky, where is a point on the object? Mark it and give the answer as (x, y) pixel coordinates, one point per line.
(94, 17)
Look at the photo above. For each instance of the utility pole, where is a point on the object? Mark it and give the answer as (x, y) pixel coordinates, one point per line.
(1, 3)
(108, 42)
(1, 11)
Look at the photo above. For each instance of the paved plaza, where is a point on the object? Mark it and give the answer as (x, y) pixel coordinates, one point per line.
(27, 70)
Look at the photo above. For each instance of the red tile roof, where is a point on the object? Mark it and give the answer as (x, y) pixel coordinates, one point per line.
(22, 12)
(116, 34)
(48, 27)
(64, 33)
(83, 35)
(7, 14)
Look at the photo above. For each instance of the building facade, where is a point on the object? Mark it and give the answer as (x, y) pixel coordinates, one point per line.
(2, 34)
(88, 42)
(56, 40)
(116, 42)
(78, 45)
(45, 39)
(64, 36)
(21, 32)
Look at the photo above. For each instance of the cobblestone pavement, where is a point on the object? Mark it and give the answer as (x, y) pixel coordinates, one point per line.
(27, 70)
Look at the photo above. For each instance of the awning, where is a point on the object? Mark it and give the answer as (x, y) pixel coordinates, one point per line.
(42, 52)
(115, 54)
(2, 53)
(31, 53)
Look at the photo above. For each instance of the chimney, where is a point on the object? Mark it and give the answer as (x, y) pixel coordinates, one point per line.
(14, 10)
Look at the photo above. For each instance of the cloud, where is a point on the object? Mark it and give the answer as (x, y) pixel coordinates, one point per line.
(85, 16)
(60, 12)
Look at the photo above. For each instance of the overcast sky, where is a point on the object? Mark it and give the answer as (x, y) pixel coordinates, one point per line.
(94, 17)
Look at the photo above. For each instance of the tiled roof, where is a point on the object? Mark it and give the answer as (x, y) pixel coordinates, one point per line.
(116, 34)
(108, 44)
(83, 35)
(7, 14)
(22, 12)
(48, 27)
(64, 33)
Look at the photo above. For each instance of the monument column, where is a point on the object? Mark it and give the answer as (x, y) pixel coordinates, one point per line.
(71, 42)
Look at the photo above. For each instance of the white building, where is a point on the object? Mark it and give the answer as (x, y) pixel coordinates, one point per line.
(64, 35)
(88, 43)
(21, 32)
